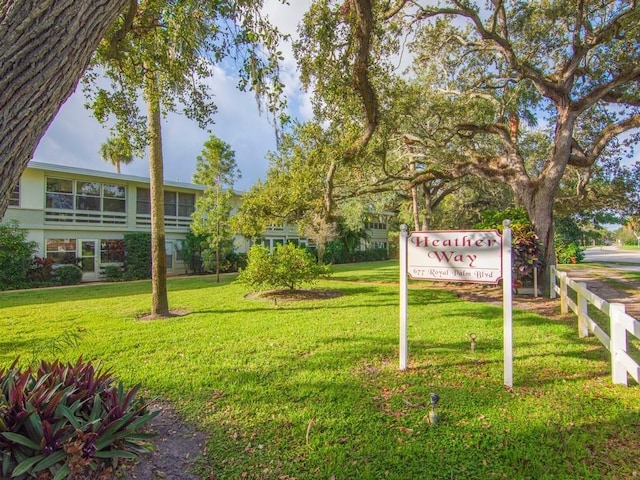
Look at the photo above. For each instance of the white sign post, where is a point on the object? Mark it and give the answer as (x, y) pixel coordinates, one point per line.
(478, 256)
(507, 303)
(404, 300)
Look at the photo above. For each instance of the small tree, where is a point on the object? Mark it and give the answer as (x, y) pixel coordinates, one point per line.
(216, 169)
(287, 267)
(16, 255)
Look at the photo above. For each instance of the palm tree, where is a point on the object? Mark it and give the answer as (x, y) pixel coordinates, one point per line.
(117, 151)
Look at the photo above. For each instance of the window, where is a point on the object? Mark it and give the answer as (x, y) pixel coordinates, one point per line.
(88, 196)
(170, 203)
(186, 204)
(59, 193)
(168, 248)
(58, 248)
(113, 198)
(143, 202)
(14, 199)
(111, 251)
(175, 203)
(63, 193)
(179, 251)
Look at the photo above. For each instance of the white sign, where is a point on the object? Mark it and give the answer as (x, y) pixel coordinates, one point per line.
(456, 256)
(480, 256)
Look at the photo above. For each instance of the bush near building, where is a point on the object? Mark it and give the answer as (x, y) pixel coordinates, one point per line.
(288, 266)
(137, 256)
(16, 256)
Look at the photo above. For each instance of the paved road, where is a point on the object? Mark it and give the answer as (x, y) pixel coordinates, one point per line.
(614, 255)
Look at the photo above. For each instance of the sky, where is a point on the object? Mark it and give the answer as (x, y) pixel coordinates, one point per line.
(75, 136)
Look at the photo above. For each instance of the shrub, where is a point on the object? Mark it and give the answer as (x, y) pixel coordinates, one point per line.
(336, 252)
(233, 262)
(66, 421)
(137, 256)
(372, 255)
(16, 255)
(113, 273)
(569, 252)
(526, 253)
(41, 270)
(526, 249)
(192, 248)
(287, 267)
(67, 274)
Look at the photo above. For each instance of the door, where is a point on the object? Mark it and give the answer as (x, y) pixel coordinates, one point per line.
(88, 260)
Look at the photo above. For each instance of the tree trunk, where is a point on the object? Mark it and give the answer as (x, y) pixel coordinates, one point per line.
(428, 209)
(539, 206)
(218, 252)
(538, 195)
(45, 46)
(159, 298)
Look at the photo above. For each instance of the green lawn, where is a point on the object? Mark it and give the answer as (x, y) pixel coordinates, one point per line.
(311, 390)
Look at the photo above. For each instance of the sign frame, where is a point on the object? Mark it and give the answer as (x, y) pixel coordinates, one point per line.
(472, 256)
(502, 263)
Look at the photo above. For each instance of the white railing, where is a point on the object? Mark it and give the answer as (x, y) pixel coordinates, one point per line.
(620, 323)
(85, 217)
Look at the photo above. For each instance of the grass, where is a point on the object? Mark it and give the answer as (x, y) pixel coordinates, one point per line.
(311, 390)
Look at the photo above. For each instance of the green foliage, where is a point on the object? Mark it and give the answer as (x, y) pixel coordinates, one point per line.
(371, 255)
(494, 218)
(526, 255)
(230, 261)
(330, 365)
(567, 230)
(287, 267)
(60, 421)
(16, 255)
(336, 252)
(55, 347)
(113, 273)
(295, 181)
(67, 274)
(217, 170)
(567, 240)
(117, 151)
(168, 49)
(568, 252)
(137, 256)
(192, 250)
(525, 243)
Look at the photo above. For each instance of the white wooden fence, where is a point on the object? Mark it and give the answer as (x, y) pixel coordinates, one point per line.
(620, 323)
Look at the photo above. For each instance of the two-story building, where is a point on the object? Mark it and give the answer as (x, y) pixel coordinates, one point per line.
(84, 214)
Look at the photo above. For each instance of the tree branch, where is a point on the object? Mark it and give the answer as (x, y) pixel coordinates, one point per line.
(580, 158)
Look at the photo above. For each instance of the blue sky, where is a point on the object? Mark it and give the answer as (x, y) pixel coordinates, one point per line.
(74, 137)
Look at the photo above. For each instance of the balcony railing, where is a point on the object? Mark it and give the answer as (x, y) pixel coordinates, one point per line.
(169, 221)
(81, 217)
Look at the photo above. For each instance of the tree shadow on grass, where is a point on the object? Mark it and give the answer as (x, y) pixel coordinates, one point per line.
(475, 439)
(96, 291)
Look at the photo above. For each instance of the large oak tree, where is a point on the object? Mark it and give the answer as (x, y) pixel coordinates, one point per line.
(497, 72)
